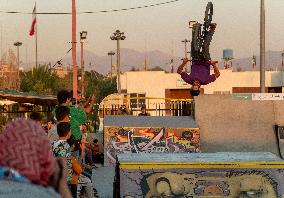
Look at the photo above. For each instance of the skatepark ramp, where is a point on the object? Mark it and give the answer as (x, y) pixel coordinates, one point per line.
(229, 124)
(199, 175)
(149, 134)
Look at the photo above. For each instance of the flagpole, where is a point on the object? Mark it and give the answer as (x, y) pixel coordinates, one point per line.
(36, 34)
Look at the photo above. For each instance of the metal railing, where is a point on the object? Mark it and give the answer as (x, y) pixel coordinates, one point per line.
(8, 113)
(154, 106)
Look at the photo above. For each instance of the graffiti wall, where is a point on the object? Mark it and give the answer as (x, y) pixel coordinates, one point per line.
(194, 183)
(149, 140)
(199, 175)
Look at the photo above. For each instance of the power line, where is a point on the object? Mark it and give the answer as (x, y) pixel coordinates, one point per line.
(59, 61)
(93, 12)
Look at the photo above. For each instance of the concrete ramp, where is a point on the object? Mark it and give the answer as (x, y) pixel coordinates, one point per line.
(149, 134)
(231, 125)
(199, 175)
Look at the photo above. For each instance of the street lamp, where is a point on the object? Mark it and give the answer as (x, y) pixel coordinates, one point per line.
(83, 37)
(185, 41)
(111, 53)
(117, 35)
(18, 44)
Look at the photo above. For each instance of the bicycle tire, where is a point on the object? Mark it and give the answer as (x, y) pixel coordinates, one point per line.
(197, 37)
(208, 15)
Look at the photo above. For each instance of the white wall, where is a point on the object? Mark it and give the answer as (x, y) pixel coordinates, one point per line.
(229, 79)
(154, 83)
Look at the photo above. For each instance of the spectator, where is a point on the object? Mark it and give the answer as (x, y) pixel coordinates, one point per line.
(62, 114)
(78, 115)
(27, 167)
(97, 155)
(77, 174)
(143, 111)
(61, 148)
(50, 124)
(36, 117)
(76, 167)
(123, 110)
(87, 105)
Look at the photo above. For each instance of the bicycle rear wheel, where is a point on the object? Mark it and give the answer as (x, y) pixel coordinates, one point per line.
(208, 16)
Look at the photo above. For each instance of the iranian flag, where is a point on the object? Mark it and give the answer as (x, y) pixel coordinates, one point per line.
(32, 30)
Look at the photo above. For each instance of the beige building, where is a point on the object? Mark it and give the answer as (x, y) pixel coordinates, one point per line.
(61, 71)
(9, 77)
(170, 85)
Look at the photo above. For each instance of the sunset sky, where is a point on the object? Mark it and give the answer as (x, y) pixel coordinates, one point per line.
(156, 28)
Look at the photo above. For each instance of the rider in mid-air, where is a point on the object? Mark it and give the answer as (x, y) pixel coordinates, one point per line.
(201, 61)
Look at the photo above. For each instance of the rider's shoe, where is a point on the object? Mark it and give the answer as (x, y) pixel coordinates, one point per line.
(213, 27)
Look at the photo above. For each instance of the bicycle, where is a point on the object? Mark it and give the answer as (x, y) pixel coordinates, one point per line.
(199, 34)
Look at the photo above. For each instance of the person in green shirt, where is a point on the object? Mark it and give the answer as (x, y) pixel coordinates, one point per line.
(77, 114)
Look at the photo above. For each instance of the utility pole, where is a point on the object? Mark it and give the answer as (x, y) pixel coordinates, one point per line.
(117, 35)
(74, 61)
(262, 46)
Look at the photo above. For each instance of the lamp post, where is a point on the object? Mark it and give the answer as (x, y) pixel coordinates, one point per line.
(185, 41)
(117, 35)
(111, 53)
(262, 46)
(282, 60)
(83, 36)
(18, 44)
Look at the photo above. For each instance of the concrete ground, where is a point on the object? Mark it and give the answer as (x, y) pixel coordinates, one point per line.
(103, 181)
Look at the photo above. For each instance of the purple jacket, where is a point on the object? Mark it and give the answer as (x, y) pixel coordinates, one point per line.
(200, 71)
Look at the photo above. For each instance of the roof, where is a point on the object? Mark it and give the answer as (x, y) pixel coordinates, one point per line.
(22, 97)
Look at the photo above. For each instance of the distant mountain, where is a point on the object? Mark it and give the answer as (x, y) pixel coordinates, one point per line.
(273, 62)
(129, 58)
(132, 58)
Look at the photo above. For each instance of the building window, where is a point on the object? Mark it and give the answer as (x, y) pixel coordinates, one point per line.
(137, 99)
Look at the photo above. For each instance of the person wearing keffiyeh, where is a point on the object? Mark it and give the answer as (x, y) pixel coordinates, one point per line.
(27, 166)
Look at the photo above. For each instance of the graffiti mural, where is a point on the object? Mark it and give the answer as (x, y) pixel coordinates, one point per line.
(149, 140)
(201, 183)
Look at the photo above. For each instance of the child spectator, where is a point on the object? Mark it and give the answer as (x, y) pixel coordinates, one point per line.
(77, 174)
(36, 117)
(76, 167)
(97, 155)
(61, 148)
(62, 114)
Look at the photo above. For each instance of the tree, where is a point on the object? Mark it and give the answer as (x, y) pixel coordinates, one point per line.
(40, 80)
(99, 85)
(134, 69)
(157, 68)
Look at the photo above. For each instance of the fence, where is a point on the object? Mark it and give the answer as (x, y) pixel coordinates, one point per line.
(11, 112)
(154, 106)
(172, 108)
